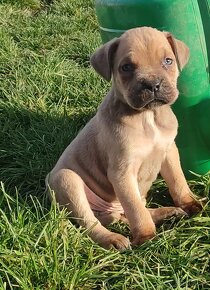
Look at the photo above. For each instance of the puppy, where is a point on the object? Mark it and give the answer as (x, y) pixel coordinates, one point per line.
(105, 173)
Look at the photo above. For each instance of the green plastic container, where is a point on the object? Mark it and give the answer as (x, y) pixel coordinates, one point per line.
(188, 20)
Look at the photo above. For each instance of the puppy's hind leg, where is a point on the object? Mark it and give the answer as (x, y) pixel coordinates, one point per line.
(109, 218)
(162, 213)
(69, 191)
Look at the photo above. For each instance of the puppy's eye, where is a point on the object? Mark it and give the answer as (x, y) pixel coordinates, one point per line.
(168, 61)
(127, 67)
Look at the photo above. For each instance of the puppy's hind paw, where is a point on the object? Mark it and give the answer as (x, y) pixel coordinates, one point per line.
(193, 207)
(178, 212)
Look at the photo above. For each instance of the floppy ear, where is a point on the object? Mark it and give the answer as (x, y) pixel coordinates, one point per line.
(180, 50)
(102, 58)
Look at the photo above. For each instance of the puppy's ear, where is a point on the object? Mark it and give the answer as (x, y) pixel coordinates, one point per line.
(102, 58)
(180, 50)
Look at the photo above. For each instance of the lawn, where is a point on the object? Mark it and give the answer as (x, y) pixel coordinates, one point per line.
(48, 91)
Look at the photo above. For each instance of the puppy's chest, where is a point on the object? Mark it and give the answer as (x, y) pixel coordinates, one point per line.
(151, 142)
(155, 135)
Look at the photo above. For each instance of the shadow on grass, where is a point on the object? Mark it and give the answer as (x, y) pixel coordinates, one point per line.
(31, 142)
(47, 2)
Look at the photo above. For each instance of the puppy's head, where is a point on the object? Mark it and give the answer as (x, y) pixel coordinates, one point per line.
(145, 64)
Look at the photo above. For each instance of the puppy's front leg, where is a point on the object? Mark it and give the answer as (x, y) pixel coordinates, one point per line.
(140, 221)
(172, 172)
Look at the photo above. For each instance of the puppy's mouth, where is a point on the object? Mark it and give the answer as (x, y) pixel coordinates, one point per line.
(143, 96)
(146, 100)
(156, 101)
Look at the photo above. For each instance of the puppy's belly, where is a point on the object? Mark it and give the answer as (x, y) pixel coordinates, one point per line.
(99, 205)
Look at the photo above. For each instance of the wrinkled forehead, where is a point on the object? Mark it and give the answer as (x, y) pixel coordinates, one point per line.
(143, 43)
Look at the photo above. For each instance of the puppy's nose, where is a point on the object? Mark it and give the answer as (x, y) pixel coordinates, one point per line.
(152, 86)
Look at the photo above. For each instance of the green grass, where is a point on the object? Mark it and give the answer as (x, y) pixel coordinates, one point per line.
(47, 93)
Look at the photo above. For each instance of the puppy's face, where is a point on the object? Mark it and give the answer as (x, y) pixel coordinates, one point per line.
(145, 70)
(144, 63)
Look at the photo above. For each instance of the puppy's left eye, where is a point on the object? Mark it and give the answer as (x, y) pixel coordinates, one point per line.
(168, 61)
(127, 67)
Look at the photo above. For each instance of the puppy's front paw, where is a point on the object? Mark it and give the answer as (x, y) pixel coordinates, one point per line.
(140, 239)
(115, 241)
